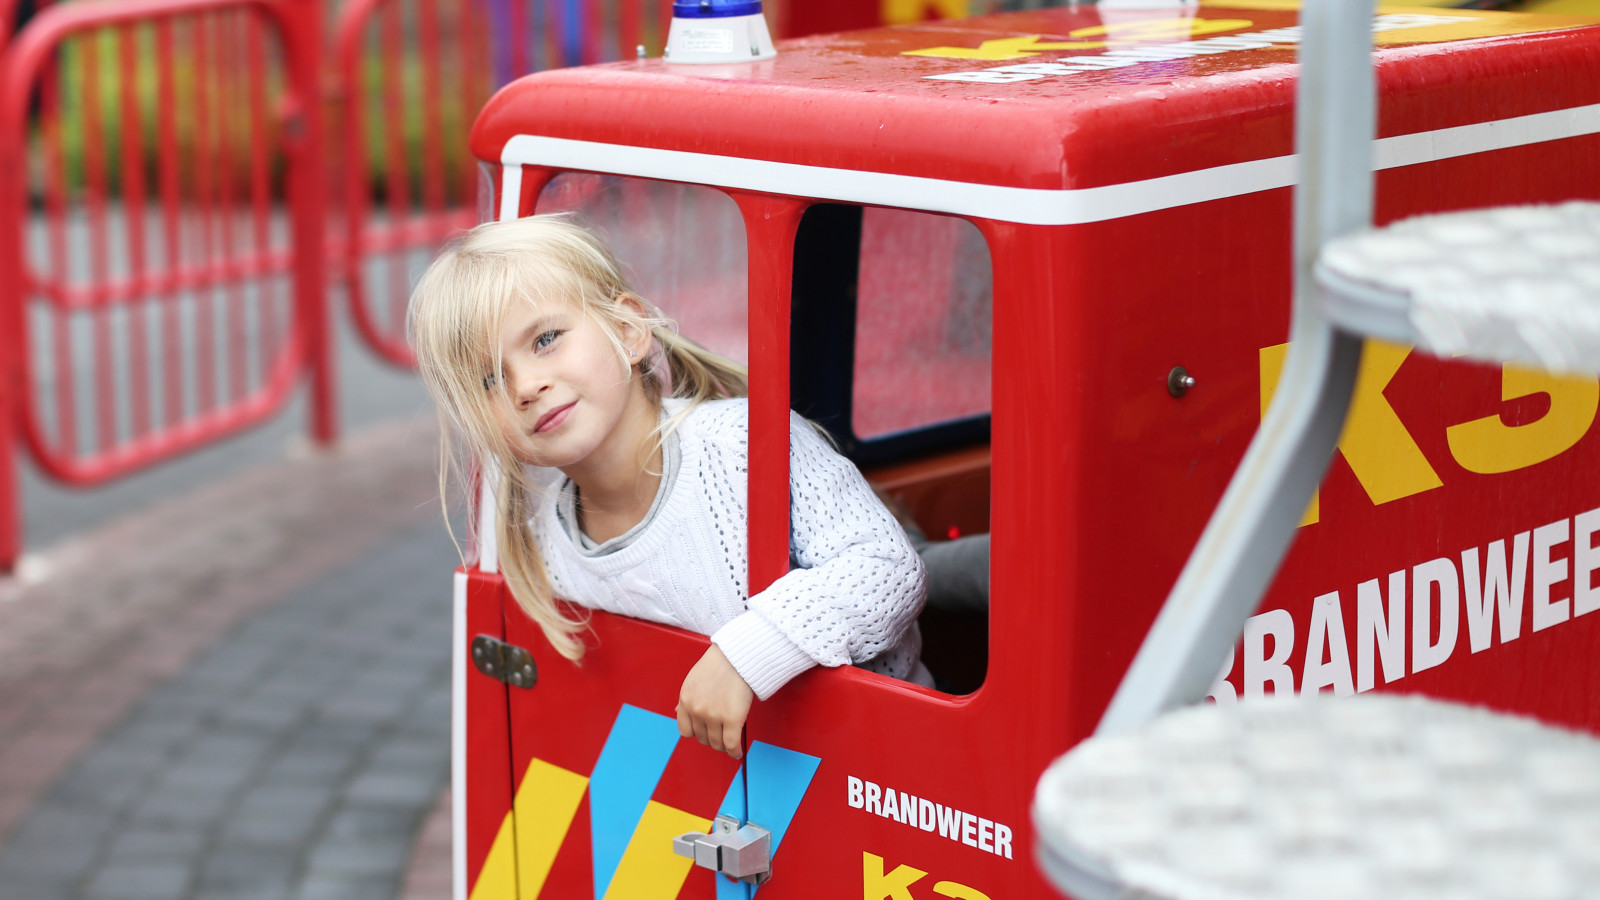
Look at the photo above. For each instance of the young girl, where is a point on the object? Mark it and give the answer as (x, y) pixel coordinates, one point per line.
(540, 355)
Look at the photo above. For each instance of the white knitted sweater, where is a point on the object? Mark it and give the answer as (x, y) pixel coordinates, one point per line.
(853, 593)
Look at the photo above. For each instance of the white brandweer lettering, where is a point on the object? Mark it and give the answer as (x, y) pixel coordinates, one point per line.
(924, 814)
(1382, 631)
(1585, 559)
(1500, 591)
(1261, 669)
(1547, 573)
(1489, 584)
(1425, 651)
(1327, 655)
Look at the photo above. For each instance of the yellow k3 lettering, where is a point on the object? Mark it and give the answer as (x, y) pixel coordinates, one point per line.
(1388, 463)
(896, 883)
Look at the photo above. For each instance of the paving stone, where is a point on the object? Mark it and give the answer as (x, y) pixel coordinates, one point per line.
(235, 867)
(25, 887)
(408, 751)
(122, 762)
(323, 782)
(364, 709)
(25, 859)
(333, 887)
(189, 775)
(154, 881)
(151, 844)
(275, 831)
(322, 732)
(182, 697)
(180, 808)
(262, 715)
(311, 761)
(370, 823)
(162, 739)
(359, 858)
(253, 892)
(392, 790)
(105, 795)
(394, 679)
(55, 826)
(284, 803)
(221, 749)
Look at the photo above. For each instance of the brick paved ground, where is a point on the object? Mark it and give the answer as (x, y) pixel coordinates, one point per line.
(240, 692)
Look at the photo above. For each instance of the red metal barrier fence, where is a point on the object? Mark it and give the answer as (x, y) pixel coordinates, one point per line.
(171, 291)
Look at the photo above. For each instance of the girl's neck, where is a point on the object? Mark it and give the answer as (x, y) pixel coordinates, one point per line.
(618, 483)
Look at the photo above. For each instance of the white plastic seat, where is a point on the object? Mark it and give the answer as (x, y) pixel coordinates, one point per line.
(1514, 284)
(1384, 796)
(1372, 796)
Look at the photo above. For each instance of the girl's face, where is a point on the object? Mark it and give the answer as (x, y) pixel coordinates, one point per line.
(569, 401)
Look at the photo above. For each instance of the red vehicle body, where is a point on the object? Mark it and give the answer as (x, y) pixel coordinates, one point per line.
(1127, 177)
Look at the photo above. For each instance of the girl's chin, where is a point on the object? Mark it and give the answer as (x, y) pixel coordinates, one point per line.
(545, 461)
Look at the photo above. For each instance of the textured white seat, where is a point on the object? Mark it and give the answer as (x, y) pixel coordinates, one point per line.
(1390, 797)
(1515, 284)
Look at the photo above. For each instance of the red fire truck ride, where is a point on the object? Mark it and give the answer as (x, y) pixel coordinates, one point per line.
(1031, 271)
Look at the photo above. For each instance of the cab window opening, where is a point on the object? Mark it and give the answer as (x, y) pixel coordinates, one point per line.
(685, 249)
(890, 352)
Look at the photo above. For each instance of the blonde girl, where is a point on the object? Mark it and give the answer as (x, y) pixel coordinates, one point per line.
(541, 357)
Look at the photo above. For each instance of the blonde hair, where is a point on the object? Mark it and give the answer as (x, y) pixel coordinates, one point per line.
(457, 310)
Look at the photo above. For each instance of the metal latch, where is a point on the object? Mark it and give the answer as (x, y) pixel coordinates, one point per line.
(742, 852)
(504, 662)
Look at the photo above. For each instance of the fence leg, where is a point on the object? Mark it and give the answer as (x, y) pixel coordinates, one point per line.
(13, 324)
(10, 501)
(308, 211)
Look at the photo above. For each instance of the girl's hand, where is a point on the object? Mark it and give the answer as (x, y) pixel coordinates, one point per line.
(714, 703)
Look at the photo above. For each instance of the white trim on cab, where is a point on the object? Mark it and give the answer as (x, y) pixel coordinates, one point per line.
(458, 739)
(1027, 206)
(488, 535)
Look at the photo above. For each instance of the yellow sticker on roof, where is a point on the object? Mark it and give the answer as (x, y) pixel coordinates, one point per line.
(1470, 23)
(1115, 45)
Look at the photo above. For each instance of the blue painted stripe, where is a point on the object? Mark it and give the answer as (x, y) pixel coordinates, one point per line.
(776, 782)
(733, 805)
(624, 778)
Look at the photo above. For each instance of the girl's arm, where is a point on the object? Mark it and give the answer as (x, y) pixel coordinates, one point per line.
(713, 704)
(857, 588)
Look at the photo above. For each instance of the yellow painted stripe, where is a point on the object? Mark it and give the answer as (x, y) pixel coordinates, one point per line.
(546, 801)
(649, 869)
(498, 880)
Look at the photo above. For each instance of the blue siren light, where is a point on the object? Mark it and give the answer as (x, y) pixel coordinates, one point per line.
(718, 31)
(714, 9)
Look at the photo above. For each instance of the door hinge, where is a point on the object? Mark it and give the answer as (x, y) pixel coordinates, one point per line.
(742, 852)
(504, 662)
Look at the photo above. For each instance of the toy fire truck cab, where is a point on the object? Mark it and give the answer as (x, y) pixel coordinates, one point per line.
(989, 257)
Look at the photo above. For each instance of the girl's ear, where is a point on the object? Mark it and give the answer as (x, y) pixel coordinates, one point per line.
(635, 332)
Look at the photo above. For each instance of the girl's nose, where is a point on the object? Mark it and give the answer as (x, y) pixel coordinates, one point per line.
(526, 386)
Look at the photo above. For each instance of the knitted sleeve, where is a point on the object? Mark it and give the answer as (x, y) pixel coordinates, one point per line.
(857, 585)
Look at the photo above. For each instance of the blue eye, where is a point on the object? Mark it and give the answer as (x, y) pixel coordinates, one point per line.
(489, 381)
(543, 341)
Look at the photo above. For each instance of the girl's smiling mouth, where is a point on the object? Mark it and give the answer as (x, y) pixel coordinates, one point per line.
(553, 418)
